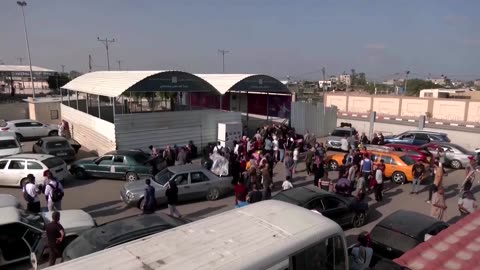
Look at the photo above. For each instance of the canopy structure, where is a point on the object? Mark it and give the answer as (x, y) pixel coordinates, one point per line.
(114, 83)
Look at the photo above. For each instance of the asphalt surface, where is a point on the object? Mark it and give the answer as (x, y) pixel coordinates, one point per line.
(100, 198)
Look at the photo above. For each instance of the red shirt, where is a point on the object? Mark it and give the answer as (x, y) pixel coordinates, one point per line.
(240, 193)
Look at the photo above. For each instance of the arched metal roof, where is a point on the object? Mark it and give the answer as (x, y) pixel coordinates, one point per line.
(114, 83)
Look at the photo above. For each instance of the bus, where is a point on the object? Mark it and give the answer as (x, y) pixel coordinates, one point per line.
(271, 235)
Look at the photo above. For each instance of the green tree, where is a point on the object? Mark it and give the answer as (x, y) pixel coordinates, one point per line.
(57, 81)
(415, 85)
(361, 79)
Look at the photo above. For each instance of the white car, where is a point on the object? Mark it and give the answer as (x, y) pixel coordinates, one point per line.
(23, 233)
(27, 128)
(14, 169)
(9, 145)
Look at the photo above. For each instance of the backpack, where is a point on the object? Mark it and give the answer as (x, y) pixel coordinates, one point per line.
(57, 194)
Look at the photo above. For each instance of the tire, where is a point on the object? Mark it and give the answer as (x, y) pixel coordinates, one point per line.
(23, 182)
(213, 194)
(80, 173)
(131, 177)
(53, 133)
(19, 136)
(398, 177)
(359, 219)
(141, 203)
(456, 164)
(333, 165)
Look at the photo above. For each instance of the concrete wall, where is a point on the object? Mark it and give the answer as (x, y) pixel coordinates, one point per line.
(473, 113)
(458, 137)
(13, 111)
(388, 106)
(414, 107)
(453, 110)
(449, 110)
(45, 112)
(359, 104)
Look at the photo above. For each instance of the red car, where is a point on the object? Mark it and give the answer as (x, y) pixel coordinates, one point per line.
(414, 151)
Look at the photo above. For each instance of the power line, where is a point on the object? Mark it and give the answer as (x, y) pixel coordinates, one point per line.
(106, 42)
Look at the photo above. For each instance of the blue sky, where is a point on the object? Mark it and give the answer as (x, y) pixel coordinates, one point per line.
(279, 38)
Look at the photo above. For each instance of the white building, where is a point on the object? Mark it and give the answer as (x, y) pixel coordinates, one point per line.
(439, 81)
(345, 79)
(440, 92)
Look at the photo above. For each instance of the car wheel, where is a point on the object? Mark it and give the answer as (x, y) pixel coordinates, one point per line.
(141, 203)
(19, 136)
(213, 194)
(398, 177)
(359, 219)
(23, 182)
(80, 173)
(131, 177)
(53, 133)
(333, 165)
(456, 164)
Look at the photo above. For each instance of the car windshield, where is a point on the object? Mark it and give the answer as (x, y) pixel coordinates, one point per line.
(340, 133)
(461, 149)
(32, 219)
(53, 162)
(163, 176)
(8, 144)
(408, 160)
(57, 145)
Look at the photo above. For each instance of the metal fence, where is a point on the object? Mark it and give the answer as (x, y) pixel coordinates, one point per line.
(314, 118)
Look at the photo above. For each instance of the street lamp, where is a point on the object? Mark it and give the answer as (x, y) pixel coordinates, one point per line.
(23, 4)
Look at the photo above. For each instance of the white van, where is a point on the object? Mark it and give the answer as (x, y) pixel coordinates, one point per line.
(9, 145)
(271, 235)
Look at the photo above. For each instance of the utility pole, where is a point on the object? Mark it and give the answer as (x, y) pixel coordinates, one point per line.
(119, 64)
(323, 86)
(20, 59)
(89, 63)
(406, 79)
(23, 4)
(223, 52)
(63, 68)
(105, 42)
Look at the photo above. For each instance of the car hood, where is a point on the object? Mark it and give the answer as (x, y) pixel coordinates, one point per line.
(72, 219)
(88, 160)
(334, 138)
(10, 152)
(7, 200)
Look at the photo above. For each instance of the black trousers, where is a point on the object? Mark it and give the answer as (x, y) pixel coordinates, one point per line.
(378, 192)
(309, 167)
(431, 189)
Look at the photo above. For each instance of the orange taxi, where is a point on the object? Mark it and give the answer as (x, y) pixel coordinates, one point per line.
(398, 165)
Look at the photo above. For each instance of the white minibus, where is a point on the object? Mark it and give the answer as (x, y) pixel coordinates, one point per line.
(271, 235)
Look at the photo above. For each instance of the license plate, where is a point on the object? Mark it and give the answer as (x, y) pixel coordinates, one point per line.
(61, 154)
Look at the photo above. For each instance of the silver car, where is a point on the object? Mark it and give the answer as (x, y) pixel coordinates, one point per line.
(456, 156)
(193, 182)
(335, 137)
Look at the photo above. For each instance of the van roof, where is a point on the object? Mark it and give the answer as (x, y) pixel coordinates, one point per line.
(237, 239)
(9, 215)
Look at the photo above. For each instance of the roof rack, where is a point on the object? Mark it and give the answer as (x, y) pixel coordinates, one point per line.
(380, 148)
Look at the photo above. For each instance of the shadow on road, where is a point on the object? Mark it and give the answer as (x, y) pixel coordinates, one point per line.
(106, 209)
(200, 213)
(72, 182)
(454, 220)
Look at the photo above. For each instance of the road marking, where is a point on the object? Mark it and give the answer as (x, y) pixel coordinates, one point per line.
(470, 126)
(411, 120)
(438, 123)
(364, 116)
(386, 118)
(354, 115)
(345, 114)
(399, 119)
(452, 124)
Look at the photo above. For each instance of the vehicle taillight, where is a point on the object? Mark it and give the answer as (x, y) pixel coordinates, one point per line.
(45, 173)
(5, 129)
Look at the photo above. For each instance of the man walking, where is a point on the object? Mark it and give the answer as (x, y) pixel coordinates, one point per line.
(54, 193)
(150, 203)
(379, 182)
(30, 194)
(267, 182)
(418, 171)
(309, 159)
(439, 172)
(366, 166)
(55, 237)
(172, 198)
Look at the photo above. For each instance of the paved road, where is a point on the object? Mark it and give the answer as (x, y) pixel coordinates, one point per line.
(100, 198)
